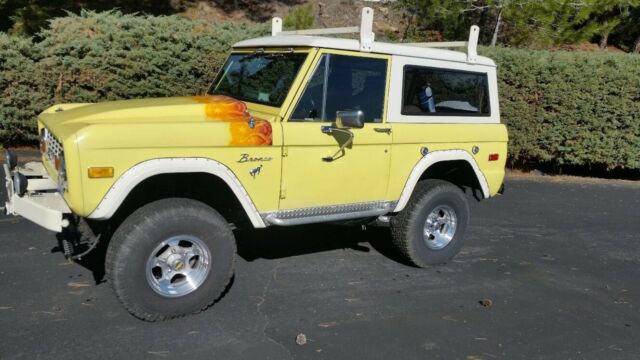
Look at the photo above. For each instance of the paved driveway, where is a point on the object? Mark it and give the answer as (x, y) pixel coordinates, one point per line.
(559, 262)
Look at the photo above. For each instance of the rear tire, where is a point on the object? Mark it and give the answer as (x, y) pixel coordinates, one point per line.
(431, 228)
(170, 258)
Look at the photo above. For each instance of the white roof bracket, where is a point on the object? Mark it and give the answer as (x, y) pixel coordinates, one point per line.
(472, 45)
(276, 26)
(367, 37)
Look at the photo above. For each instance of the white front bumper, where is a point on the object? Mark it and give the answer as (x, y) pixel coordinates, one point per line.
(42, 203)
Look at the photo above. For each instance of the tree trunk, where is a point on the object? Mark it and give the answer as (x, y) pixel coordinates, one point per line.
(636, 46)
(496, 30)
(321, 15)
(604, 39)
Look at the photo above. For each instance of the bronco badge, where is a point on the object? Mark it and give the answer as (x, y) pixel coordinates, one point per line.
(246, 158)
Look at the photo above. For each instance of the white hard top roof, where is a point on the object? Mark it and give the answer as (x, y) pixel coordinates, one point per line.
(354, 45)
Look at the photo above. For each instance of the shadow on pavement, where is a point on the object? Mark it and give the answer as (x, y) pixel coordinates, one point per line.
(93, 261)
(283, 242)
(279, 242)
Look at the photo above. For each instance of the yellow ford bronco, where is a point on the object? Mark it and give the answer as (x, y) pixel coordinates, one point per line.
(296, 129)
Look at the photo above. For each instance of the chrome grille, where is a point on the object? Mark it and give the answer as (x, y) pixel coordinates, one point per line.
(54, 148)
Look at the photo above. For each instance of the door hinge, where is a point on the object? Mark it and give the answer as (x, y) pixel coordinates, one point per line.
(285, 151)
(283, 194)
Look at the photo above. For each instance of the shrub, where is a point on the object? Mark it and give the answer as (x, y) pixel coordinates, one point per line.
(94, 57)
(21, 96)
(300, 18)
(104, 56)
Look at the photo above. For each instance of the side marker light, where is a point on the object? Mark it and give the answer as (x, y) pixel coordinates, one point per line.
(100, 172)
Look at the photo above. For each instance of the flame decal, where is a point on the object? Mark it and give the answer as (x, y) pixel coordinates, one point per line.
(228, 109)
(243, 134)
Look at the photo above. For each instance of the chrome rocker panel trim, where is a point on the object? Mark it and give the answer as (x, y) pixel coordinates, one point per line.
(328, 213)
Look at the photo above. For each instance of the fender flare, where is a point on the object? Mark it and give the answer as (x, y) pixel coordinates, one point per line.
(433, 158)
(146, 169)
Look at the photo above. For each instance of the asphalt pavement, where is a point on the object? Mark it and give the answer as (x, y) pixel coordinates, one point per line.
(550, 270)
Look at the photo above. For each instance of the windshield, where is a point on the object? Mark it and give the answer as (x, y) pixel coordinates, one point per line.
(259, 77)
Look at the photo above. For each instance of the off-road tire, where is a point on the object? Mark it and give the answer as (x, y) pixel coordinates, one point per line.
(134, 241)
(408, 225)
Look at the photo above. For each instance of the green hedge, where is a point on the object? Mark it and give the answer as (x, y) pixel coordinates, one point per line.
(106, 56)
(570, 108)
(562, 108)
(21, 95)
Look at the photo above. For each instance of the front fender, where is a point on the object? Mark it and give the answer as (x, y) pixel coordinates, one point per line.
(144, 170)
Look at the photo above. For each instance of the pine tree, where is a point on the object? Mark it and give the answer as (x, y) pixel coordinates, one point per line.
(609, 15)
(446, 17)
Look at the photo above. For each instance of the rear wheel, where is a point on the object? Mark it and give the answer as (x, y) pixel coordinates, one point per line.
(170, 258)
(431, 227)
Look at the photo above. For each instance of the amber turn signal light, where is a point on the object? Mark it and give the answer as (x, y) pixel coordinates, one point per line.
(100, 172)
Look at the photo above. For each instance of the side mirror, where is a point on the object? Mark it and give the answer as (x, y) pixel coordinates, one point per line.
(350, 119)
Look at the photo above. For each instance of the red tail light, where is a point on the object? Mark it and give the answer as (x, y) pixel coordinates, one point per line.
(494, 157)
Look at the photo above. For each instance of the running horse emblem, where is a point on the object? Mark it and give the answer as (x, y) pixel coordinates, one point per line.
(255, 171)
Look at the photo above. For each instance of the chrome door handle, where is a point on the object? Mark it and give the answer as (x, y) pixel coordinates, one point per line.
(383, 130)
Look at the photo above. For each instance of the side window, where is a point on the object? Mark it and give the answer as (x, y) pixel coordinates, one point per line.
(310, 105)
(343, 83)
(429, 91)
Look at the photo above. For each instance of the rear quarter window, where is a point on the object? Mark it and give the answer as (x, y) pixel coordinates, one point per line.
(430, 91)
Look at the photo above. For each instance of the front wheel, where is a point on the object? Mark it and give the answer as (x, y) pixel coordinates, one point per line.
(430, 229)
(170, 258)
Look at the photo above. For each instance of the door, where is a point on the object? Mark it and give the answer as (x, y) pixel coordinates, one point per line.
(311, 175)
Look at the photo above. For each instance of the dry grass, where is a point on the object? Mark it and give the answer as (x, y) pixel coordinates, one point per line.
(530, 176)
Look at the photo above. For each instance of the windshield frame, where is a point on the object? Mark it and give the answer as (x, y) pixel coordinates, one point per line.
(304, 55)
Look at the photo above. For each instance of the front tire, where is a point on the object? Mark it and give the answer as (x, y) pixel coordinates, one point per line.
(430, 229)
(170, 258)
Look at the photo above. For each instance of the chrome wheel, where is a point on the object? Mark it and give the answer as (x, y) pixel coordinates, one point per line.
(178, 266)
(440, 227)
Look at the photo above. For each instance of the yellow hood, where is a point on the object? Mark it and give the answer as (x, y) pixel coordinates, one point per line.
(171, 109)
(184, 113)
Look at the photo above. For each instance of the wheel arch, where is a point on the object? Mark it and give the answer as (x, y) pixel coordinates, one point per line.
(439, 165)
(152, 171)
